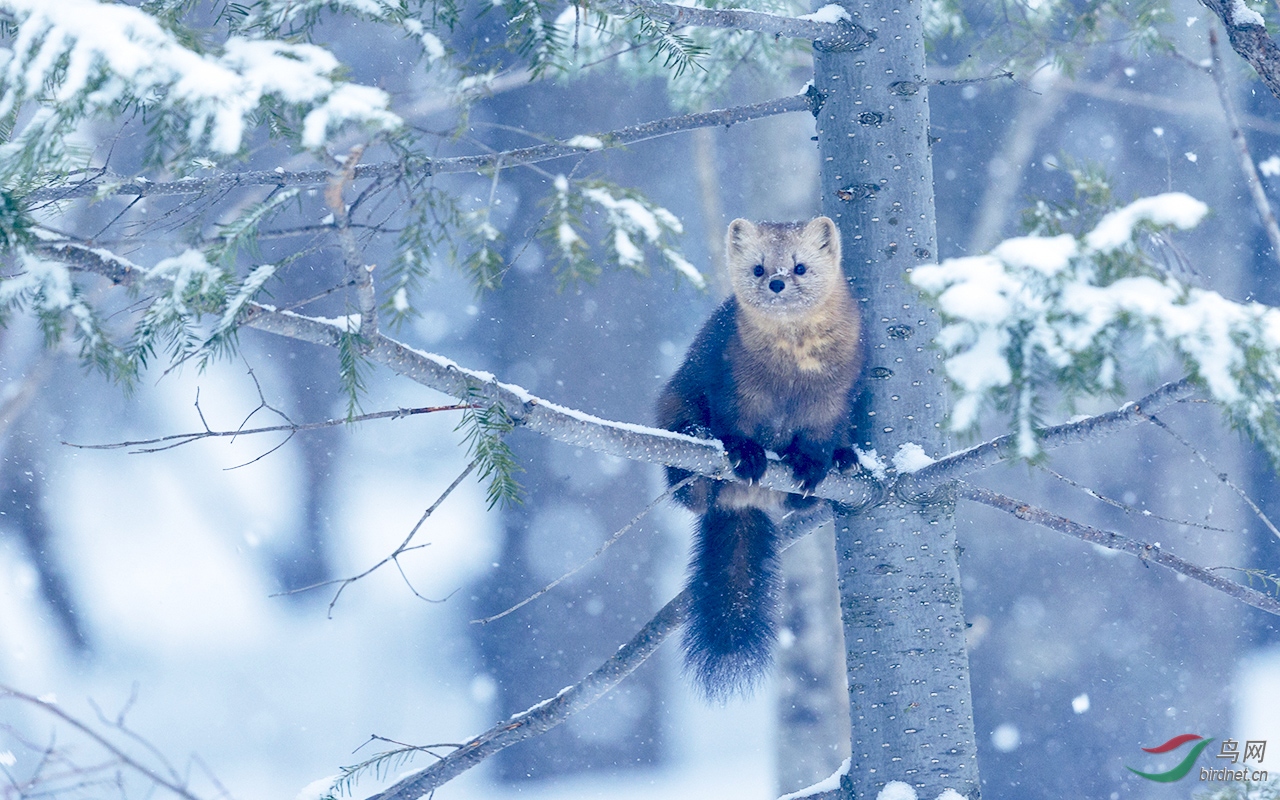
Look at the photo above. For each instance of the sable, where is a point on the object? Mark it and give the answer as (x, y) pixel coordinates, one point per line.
(775, 368)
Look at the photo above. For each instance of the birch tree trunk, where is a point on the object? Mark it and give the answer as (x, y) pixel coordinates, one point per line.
(910, 709)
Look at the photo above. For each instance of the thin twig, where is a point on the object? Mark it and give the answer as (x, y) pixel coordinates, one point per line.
(1128, 509)
(151, 775)
(966, 81)
(1152, 553)
(725, 117)
(607, 544)
(179, 439)
(343, 583)
(1221, 476)
(1251, 178)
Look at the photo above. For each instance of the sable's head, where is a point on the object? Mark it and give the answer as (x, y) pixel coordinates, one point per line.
(784, 268)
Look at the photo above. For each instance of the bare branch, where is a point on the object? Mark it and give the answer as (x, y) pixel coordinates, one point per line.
(1003, 448)
(1251, 178)
(178, 439)
(101, 741)
(1125, 507)
(1219, 474)
(552, 711)
(1114, 541)
(1249, 38)
(995, 76)
(393, 169)
(343, 583)
(599, 551)
(843, 35)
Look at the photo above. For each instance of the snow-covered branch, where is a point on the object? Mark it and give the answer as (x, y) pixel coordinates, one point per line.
(1005, 448)
(1111, 540)
(829, 28)
(577, 145)
(1247, 32)
(1050, 313)
(75, 57)
(625, 440)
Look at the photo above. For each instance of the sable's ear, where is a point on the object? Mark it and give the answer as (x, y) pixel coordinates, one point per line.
(822, 233)
(739, 231)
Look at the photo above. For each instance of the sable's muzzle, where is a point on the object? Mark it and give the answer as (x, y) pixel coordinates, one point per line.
(776, 285)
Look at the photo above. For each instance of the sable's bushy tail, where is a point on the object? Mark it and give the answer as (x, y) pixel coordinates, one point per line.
(733, 587)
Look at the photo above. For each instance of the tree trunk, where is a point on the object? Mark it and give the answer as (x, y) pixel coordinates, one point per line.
(908, 673)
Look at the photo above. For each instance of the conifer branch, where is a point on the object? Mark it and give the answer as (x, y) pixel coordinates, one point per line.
(831, 36)
(1111, 540)
(386, 170)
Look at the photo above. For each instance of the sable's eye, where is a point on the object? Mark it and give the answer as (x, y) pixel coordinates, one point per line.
(801, 269)
(758, 271)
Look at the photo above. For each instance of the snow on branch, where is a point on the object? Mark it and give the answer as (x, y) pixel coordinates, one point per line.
(1005, 448)
(575, 146)
(1042, 312)
(1247, 32)
(830, 27)
(626, 440)
(79, 56)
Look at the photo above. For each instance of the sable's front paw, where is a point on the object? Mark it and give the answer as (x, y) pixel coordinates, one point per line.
(808, 470)
(846, 458)
(809, 462)
(747, 457)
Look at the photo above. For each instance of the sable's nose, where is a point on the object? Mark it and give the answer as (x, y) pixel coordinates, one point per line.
(776, 285)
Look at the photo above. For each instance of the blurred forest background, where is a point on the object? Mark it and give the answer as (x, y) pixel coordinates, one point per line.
(153, 582)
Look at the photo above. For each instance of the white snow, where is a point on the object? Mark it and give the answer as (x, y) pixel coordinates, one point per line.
(827, 784)
(321, 787)
(1050, 256)
(1037, 302)
(897, 790)
(831, 13)
(950, 794)
(7, 759)
(585, 143)
(873, 463)
(910, 457)
(683, 267)
(1080, 703)
(1174, 208)
(138, 58)
(1241, 14)
(1270, 167)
